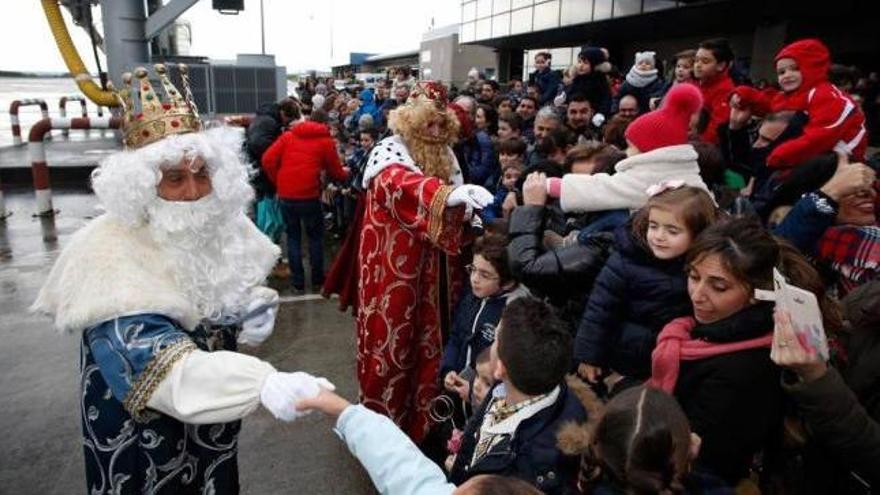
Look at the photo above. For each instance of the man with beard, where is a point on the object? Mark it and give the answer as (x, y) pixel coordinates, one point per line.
(414, 225)
(579, 116)
(163, 287)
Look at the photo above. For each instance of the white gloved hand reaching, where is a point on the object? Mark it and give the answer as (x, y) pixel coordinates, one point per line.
(476, 197)
(259, 318)
(281, 391)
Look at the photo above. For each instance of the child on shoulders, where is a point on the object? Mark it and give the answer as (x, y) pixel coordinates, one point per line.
(835, 121)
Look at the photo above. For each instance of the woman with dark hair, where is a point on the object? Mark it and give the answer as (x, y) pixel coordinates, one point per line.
(483, 167)
(717, 363)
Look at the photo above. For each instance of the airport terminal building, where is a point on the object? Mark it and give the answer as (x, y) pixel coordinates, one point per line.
(757, 29)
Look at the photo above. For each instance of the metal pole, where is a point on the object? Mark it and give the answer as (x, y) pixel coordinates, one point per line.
(124, 40)
(262, 29)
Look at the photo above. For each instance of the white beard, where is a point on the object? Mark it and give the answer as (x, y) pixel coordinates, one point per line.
(207, 246)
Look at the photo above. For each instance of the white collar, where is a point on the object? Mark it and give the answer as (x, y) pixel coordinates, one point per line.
(509, 425)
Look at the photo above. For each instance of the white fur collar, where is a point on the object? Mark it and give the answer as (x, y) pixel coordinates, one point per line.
(110, 269)
(392, 151)
(663, 157)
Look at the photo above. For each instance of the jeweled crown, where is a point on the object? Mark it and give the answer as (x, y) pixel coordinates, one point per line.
(156, 119)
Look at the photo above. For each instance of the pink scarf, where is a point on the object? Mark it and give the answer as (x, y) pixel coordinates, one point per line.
(674, 345)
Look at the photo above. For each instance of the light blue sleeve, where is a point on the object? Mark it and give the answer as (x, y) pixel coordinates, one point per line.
(394, 463)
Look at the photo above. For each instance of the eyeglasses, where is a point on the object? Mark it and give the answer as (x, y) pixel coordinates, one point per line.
(483, 274)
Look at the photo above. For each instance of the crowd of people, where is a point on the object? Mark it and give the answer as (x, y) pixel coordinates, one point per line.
(612, 337)
(578, 283)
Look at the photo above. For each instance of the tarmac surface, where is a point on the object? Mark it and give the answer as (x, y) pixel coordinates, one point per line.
(40, 442)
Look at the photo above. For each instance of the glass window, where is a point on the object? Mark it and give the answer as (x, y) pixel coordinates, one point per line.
(652, 5)
(602, 9)
(501, 25)
(468, 11)
(521, 21)
(500, 6)
(484, 28)
(561, 58)
(546, 15)
(468, 32)
(426, 56)
(627, 7)
(516, 4)
(576, 11)
(484, 8)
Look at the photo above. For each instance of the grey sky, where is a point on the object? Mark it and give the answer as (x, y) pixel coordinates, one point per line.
(297, 32)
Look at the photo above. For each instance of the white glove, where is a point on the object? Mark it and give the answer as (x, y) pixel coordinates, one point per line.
(598, 120)
(259, 319)
(474, 196)
(281, 391)
(559, 101)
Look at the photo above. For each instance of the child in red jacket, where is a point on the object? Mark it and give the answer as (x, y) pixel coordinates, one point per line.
(835, 121)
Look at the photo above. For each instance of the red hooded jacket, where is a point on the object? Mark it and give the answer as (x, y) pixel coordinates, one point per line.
(295, 160)
(835, 121)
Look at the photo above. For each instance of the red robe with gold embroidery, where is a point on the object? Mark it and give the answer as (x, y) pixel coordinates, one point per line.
(407, 230)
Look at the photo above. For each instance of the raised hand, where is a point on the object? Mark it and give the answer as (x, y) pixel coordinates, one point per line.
(850, 178)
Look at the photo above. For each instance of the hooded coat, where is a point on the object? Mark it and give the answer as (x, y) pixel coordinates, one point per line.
(368, 107)
(295, 161)
(835, 121)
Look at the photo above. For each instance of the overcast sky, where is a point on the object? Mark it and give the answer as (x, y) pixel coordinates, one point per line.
(298, 33)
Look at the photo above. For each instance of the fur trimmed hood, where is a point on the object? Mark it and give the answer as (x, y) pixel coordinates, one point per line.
(110, 269)
(574, 438)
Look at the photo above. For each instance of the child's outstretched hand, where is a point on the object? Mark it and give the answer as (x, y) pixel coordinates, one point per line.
(326, 402)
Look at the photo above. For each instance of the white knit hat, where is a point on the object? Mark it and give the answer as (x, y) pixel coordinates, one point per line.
(646, 57)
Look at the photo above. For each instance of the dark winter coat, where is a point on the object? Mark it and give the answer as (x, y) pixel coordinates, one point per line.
(733, 401)
(643, 95)
(473, 329)
(263, 130)
(483, 167)
(807, 221)
(532, 453)
(634, 296)
(565, 276)
(548, 81)
(595, 87)
(295, 161)
(842, 408)
(696, 483)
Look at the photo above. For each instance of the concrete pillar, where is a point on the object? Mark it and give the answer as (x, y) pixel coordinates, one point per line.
(124, 36)
(509, 64)
(768, 40)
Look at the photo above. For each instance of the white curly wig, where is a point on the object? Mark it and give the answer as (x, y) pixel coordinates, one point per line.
(216, 253)
(126, 182)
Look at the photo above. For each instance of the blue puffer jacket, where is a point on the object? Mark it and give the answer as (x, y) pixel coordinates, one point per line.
(473, 329)
(634, 296)
(531, 453)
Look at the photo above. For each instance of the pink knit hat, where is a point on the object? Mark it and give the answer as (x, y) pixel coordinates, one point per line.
(668, 125)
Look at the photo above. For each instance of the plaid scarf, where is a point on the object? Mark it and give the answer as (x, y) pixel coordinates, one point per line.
(853, 253)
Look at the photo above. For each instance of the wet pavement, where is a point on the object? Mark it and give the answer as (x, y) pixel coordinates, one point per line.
(39, 414)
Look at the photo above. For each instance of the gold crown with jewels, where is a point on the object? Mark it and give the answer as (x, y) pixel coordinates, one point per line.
(156, 119)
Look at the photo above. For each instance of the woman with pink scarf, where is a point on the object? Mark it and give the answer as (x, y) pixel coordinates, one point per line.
(717, 363)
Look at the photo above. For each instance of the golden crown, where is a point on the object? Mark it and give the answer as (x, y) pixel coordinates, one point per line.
(156, 120)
